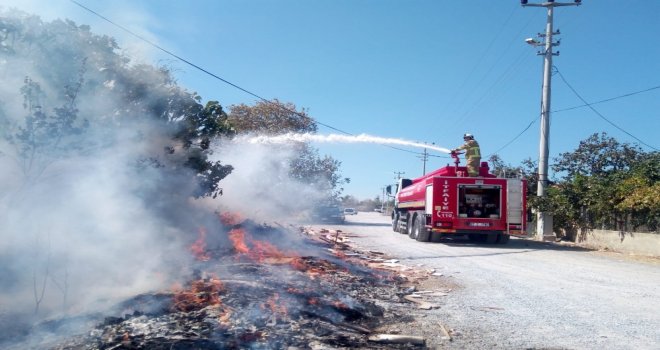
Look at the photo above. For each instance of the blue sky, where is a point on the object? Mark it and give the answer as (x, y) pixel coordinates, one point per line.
(424, 71)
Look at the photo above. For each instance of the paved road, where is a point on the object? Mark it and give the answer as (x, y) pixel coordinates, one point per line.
(529, 294)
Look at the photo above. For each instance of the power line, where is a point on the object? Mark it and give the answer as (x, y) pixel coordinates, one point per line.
(576, 107)
(222, 79)
(515, 138)
(461, 88)
(200, 68)
(505, 74)
(599, 114)
(607, 100)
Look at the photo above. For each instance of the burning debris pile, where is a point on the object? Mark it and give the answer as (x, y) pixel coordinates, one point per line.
(258, 293)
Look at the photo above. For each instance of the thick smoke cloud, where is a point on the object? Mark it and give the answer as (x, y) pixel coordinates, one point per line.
(84, 227)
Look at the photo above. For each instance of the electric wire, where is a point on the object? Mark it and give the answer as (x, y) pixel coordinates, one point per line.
(586, 104)
(461, 88)
(599, 114)
(607, 100)
(575, 107)
(491, 89)
(474, 105)
(220, 78)
(515, 138)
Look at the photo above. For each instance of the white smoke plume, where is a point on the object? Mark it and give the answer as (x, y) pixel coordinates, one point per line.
(260, 185)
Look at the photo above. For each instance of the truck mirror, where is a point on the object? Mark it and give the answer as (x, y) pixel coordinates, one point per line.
(388, 189)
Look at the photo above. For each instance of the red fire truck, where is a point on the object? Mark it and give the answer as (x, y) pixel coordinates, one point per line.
(448, 202)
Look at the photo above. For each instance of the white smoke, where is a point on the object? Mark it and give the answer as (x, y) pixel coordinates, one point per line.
(77, 232)
(260, 186)
(81, 236)
(336, 138)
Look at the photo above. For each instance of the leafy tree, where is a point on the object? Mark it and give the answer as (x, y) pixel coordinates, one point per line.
(321, 173)
(502, 169)
(43, 138)
(271, 118)
(638, 195)
(598, 155)
(566, 201)
(605, 184)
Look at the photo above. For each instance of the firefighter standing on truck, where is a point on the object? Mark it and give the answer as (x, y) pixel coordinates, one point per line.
(472, 154)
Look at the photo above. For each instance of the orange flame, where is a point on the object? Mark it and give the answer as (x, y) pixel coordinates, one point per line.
(202, 293)
(237, 236)
(264, 249)
(199, 247)
(260, 251)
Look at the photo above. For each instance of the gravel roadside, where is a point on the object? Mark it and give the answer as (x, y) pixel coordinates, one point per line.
(523, 295)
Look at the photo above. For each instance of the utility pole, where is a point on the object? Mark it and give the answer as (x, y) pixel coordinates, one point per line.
(425, 157)
(544, 220)
(398, 175)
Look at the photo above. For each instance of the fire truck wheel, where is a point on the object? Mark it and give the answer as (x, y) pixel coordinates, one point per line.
(503, 238)
(409, 225)
(473, 237)
(491, 238)
(421, 233)
(395, 222)
(399, 227)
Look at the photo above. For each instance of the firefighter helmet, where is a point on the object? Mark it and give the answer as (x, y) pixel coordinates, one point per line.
(468, 136)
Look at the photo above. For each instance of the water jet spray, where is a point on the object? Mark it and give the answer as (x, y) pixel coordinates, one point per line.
(335, 138)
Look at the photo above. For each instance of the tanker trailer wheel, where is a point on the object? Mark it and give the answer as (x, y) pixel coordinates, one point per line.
(422, 234)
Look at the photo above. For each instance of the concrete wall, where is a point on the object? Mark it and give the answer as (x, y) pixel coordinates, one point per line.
(634, 243)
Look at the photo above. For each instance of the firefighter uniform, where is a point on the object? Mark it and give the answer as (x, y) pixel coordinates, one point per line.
(472, 155)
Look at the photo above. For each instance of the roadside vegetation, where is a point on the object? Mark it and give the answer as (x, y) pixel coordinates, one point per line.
(602, 184)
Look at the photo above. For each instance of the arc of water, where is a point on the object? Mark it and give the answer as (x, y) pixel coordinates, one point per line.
(336, 138)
